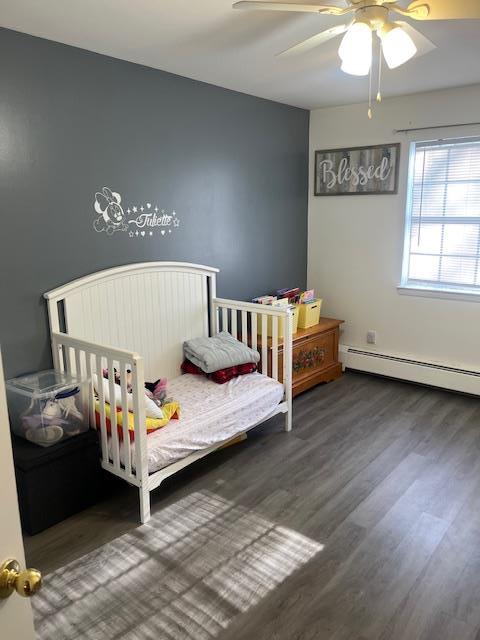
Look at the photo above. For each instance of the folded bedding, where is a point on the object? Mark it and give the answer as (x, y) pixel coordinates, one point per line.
(219, 352)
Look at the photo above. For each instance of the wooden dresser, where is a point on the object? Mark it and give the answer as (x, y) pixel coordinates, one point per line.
(315, 355)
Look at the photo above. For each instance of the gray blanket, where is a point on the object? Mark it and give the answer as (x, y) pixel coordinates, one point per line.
(219, 352)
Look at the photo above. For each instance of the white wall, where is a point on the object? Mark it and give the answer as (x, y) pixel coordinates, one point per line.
(356, 242)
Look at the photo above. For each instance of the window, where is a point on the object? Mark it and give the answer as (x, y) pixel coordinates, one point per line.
(442, 231)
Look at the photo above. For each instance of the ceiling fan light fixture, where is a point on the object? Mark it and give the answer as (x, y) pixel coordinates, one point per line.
(356, 49)
(398, 47)
(356, 67)
(357, 38)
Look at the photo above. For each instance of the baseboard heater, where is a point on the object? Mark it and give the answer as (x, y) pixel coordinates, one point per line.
(431, 373)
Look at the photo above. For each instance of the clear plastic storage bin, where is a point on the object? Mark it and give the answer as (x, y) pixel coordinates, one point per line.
(48, 406)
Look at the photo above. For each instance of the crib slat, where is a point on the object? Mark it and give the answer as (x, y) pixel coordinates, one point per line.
(275, 347)
(283, 372)
(224, 319)
(138, 395)
(126, 435)
(59, 358)
(287, 368)
(254, 331)
(113, 414)
(215, 320)
(91, 397)
(78, 367)
(70, 354)
(101, 401)
(233, 322)
(244, 328)
(264, 346)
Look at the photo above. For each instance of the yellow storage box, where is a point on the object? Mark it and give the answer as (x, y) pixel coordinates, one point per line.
(309, 313)
(294, 313)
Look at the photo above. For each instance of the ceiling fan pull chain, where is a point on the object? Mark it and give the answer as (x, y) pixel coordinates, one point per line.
(380, 56)
(370, 112)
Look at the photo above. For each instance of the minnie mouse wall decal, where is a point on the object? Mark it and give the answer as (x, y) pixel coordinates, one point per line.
(112, 217)
(138, 220)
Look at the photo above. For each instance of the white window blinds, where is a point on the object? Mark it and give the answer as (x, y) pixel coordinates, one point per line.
(442, 244)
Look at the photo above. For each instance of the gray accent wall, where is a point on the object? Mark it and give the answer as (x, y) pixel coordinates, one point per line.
(233, 167)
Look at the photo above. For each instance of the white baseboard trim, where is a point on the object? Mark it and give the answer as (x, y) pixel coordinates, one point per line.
(407, 368)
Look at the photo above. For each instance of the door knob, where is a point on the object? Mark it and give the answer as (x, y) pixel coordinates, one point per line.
(25, 583)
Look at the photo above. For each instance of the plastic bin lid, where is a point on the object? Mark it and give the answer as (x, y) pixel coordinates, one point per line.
(44, 383)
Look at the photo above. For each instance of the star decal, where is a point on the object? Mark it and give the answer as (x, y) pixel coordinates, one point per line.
(131, 234)
(128, 210)
(176, 222)
(136, 233)
(134, 209)
(151, 233)
(169, 231)
(156, 209)
(149, 206)
(142, 209)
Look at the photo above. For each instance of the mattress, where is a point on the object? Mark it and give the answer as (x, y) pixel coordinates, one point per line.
(210, 413)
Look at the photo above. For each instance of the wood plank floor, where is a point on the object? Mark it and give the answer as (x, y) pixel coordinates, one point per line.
(384, 474)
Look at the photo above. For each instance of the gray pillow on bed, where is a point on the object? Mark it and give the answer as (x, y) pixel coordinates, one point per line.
(219, 352)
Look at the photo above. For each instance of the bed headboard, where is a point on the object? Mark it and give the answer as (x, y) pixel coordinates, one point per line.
(149, 308)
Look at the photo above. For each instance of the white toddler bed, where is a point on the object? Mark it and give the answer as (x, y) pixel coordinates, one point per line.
(107, 319)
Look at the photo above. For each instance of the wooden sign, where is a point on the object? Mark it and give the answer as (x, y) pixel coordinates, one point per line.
(357, 171)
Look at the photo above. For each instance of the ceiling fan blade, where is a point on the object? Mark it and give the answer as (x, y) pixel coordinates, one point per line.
(423, 44)
(252, 5)
(444, 10)
(315, 41)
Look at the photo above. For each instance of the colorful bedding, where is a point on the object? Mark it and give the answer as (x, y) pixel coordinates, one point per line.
(171, 411)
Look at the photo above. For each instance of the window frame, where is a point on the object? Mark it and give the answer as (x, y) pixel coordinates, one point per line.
(426, 288)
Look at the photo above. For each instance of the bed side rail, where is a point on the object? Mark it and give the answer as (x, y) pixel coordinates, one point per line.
(262, 327)
(72, 355)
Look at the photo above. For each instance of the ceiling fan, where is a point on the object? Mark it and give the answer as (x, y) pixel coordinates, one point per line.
(399, 41)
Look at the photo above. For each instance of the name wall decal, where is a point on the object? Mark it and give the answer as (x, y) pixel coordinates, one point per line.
(357, 171)
(139, 221)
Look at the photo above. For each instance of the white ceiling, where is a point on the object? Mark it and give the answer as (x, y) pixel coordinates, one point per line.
(207, 40)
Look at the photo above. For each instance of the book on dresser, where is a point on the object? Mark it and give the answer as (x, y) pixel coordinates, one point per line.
(314, 355)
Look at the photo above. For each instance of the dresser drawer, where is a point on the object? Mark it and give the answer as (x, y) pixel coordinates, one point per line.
(314, 355)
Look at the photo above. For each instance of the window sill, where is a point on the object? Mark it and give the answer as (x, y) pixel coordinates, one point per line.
(445, 294)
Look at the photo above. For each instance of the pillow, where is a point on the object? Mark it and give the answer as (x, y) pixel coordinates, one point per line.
(222, 375)
(171, 411)
(152, 410)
